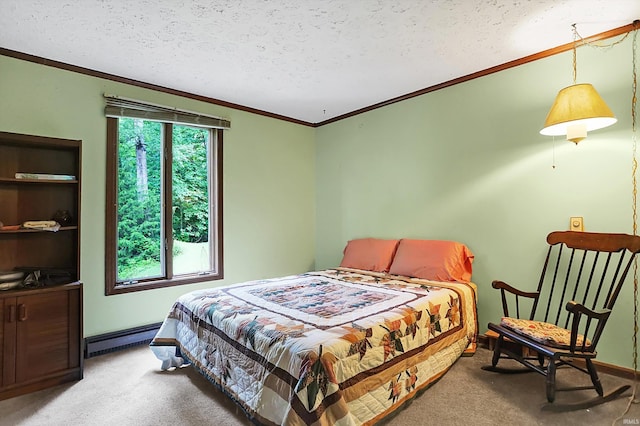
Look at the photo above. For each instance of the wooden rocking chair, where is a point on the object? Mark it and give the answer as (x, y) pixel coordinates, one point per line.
(582, 273)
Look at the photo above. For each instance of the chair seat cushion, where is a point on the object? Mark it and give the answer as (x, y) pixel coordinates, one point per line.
(543, 332)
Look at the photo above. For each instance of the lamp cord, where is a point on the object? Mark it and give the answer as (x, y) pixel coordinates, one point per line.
(634, 192)
(634, 102)
(634, 168)
(598, 44)
(575, 54)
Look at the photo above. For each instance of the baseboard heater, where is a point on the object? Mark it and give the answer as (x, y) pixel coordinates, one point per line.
(118, 340)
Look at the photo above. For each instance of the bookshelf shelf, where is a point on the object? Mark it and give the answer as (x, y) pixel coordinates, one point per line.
(38, 181)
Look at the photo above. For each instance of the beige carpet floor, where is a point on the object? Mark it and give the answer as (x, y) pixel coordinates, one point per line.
(128, 388)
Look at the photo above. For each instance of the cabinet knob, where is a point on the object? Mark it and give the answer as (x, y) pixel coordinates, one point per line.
(22, 312)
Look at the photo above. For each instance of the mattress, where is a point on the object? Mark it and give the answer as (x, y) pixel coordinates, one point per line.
(332, 347)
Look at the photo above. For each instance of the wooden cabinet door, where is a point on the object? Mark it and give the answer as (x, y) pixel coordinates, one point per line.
(43, 337)
(2, 320)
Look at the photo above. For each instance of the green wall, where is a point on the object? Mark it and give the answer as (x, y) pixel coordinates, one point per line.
(269, 204)
(467, 163)
(464, 163)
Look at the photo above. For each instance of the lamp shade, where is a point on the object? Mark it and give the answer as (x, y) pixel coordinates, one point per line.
(577, 110)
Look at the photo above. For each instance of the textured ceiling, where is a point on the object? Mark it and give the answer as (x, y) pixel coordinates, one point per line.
(310, 60)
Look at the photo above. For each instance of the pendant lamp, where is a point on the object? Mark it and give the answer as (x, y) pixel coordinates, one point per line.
(577, 109)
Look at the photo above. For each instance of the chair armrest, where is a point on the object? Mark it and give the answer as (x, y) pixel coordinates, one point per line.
(600, 316)
(512, 300)
(497, 284)
(576, 308)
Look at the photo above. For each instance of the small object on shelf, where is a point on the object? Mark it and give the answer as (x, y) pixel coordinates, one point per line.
(10, 228)
(10, 279)
(39, 223)
(44, 225)
(11, 275)
(33, 279)
(8, 285)
(42, 277)
(63, 217)
(44, 176)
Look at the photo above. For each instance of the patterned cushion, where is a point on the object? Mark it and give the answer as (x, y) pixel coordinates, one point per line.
(543, 332)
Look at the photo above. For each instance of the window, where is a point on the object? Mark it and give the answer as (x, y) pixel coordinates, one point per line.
(164, 203)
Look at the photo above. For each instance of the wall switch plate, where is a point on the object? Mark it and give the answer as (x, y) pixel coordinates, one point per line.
(576, 224)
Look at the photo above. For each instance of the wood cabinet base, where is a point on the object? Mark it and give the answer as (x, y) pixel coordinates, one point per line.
(40, 384)
(40, 338)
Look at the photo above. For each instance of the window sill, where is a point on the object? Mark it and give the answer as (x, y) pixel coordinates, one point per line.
(119, 288)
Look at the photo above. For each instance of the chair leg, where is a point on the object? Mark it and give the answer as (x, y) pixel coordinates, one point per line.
(496, 351)
(551, 380)
(594, 377)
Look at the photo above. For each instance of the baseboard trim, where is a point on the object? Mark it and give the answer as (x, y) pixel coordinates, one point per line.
(603, 367)
(118, 340)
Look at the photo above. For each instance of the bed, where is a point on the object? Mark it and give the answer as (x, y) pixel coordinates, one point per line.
(341, 346)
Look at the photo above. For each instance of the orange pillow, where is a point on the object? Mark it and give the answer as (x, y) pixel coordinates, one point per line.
(369, 254)
(433, 260)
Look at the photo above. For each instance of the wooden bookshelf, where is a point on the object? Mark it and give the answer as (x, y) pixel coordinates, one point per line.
(41, 325)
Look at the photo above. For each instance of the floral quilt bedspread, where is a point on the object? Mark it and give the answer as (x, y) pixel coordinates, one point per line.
(333, 347)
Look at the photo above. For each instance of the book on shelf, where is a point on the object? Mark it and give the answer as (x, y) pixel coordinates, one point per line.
(44, 176)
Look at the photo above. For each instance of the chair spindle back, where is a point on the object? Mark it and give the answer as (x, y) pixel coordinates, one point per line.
(586, 268)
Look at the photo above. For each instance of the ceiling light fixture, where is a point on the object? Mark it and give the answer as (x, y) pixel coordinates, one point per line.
(577, 109)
